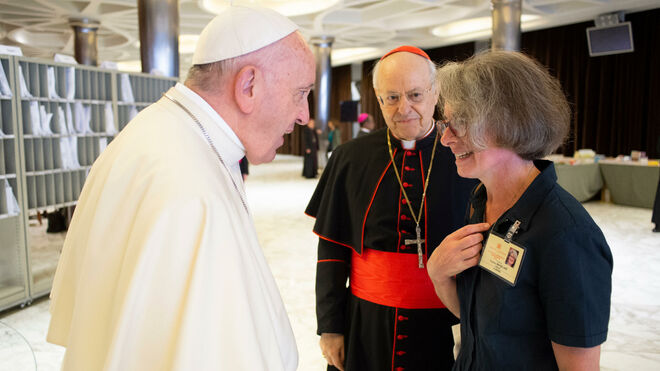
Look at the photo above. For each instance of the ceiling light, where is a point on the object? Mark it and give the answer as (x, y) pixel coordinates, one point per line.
(288, 8)
(351, 52)
(467, 26)
(38, 39)
(347, 55)
(187, 43)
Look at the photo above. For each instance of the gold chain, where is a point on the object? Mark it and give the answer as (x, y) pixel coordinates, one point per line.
(426, 182)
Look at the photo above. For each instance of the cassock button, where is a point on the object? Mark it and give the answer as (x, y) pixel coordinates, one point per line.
(407, 185)
(403, 247)
(401, 337)
(408, 168)
(400, 353)
(399, 369)
(402, 318)
(404, 201)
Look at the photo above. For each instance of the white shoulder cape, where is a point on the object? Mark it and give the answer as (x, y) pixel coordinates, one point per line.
(161, 268)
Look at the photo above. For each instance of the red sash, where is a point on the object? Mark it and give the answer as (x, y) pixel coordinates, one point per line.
(392, 279)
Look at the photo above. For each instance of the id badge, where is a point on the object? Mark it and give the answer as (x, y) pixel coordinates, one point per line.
(502, 257)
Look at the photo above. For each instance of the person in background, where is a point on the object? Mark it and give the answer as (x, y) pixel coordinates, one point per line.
(162, 268)
(367, 124)
(310, 148)
(382, 204)
(655, 217)
(334, 137)
(503, 112)
(245, 167)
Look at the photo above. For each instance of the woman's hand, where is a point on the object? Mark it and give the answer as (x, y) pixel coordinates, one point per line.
(457, 252)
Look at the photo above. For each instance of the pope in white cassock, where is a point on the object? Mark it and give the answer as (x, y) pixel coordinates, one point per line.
(161, 268)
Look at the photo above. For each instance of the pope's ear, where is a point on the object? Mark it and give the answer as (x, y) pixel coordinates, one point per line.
(246, 87)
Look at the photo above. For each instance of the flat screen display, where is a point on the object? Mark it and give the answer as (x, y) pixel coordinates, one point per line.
(613, 39)
(348, 110)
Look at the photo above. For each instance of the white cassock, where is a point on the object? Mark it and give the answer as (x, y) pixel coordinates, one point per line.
(161, 268)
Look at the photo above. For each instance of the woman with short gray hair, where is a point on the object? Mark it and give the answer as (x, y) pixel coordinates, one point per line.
(548, 309)
(508, 98)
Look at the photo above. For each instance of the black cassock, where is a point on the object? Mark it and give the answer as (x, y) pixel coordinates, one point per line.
(310, 161)
(655, 217)
(361, 212)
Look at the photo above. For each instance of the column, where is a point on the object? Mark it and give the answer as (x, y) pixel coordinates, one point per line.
(506, 24)
(356, 79)
(322, 48)
(159, 36)
(85, 40)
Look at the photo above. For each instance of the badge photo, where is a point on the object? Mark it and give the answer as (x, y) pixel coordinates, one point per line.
(502, 258)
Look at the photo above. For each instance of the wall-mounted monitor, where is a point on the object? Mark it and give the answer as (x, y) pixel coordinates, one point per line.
(348, 110)
(613, 39)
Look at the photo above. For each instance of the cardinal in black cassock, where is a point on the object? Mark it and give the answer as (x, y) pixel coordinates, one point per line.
(390, 315)
(310, 148)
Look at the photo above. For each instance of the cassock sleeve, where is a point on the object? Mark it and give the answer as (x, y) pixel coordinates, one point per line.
(332, 271)
(340, 200)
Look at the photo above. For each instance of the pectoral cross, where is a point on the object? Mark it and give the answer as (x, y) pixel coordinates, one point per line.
(419, 241)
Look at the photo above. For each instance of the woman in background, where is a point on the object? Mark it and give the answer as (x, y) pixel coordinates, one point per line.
(334, 137)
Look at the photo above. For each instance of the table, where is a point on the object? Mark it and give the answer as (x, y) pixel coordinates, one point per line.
(630, 183)
(583, 181)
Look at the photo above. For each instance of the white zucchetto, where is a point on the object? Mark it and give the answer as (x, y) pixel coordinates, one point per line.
(239, 30)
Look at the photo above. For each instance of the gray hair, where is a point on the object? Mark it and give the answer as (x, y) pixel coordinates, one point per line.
(505, 99)
(432, 72)
(208, 77)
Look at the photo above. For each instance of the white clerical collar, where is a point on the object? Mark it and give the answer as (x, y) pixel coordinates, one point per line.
(410, 144)
(211, 112)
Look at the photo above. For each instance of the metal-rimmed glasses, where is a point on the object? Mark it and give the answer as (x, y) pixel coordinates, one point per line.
(457, 130)
(394, 98)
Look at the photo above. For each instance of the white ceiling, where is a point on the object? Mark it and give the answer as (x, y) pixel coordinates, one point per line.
(368, 27)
